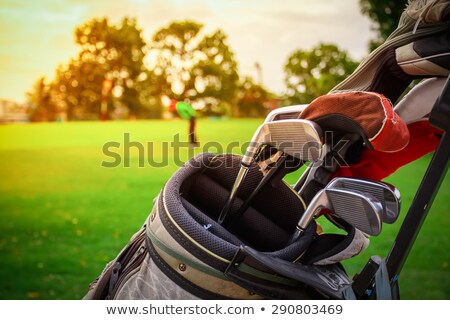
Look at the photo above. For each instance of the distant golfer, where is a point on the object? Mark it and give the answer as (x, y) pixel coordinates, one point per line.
(185, 111)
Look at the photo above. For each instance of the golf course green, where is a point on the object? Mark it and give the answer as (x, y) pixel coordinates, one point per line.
(72, 194)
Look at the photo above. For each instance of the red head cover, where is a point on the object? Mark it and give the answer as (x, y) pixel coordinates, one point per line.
(372, 112)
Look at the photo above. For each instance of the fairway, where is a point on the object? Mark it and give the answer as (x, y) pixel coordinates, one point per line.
(66, 210)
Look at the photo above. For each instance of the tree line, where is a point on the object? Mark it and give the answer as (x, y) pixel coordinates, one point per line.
(118, 72)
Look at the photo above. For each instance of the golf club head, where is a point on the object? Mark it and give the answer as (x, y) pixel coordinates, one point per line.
(361, 210)
(290, 112)
(387, 194)
(299, 138)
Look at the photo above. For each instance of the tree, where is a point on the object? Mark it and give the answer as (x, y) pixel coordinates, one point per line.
(42, 107)
(385, 14)
(187, 64)
(252, 99)
(309, 74)
(108, 51)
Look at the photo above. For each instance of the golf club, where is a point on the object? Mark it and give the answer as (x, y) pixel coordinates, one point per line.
(361, 210)
(387, 194)
(284, 165)
(333, 155)
(301, 139)
(290, 112)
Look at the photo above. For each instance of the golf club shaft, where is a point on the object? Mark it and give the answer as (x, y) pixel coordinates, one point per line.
(302, 179)
(311, 172)
(261, 185)
(227, 207)
(305, 220)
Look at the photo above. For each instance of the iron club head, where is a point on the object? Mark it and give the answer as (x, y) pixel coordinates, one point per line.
(299, 138)
(361, 210)
(387, 194)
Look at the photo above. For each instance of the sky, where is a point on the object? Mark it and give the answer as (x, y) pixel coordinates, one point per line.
(37, 36)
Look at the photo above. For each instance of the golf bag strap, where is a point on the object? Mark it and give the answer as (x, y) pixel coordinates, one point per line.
(382, 284)
(382, 287)
(303, 277)
(374, 278)
(243, 272)
(348, 293)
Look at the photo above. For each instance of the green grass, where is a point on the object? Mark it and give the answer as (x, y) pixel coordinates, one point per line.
(63, 216)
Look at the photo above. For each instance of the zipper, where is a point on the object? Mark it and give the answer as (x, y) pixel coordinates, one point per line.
(123, 264)
(130, 269)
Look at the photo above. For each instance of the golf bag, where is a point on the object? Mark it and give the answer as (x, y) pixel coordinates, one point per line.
(182, 252)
